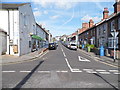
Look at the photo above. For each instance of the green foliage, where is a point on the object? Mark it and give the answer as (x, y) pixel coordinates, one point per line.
(90, 46)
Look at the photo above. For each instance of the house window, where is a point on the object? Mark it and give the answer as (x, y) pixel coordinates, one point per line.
(112, 25)
(119, 23)
(104, 29)
(30, 44)
(25, 20)
(111, 42)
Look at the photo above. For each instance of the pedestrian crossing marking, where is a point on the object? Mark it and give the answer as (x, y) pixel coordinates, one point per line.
(82, 59)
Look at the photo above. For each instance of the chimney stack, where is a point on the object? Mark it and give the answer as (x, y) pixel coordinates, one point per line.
(117, 6)
(105, 13)
(91, 23)
(85, 25)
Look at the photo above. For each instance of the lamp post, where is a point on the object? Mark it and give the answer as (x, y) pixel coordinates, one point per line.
(114, 34)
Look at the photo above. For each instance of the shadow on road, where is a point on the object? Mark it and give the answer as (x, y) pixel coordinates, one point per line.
(20, 84)
(106, 81)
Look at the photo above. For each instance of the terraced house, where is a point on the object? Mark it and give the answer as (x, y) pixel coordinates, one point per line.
(101, 32)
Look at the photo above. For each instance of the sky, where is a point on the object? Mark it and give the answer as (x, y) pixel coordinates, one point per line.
(66, 16)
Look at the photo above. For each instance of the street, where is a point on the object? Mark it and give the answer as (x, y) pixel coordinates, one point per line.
(60, 68)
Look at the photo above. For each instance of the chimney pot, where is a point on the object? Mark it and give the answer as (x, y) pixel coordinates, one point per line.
(105, 13)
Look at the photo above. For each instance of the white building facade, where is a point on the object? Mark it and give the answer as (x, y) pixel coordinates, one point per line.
(19, 23)
(3, 41)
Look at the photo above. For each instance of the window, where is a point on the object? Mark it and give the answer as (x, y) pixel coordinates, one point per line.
(111, 42)
(25, 20)
(112, 25)
(119, 23)
(30, 44)
(104, 28)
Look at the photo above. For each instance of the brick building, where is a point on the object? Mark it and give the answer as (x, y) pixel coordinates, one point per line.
(100, 33)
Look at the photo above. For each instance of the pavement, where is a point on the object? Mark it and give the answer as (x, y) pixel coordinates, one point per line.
(6, 59)
(102, 58)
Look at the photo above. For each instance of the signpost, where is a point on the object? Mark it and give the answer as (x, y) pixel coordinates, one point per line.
(114, 34)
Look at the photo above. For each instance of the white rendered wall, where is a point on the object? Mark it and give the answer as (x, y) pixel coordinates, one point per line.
(27, 26)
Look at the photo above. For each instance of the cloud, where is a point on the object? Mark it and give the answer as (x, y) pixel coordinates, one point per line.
(87, 18)
(37, 13)
(62, 4)
(35, 9)
(54, 17)
(45, 12)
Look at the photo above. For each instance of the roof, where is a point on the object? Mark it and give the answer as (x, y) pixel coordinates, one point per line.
(1, 30)
(42, 28)
(12, 5)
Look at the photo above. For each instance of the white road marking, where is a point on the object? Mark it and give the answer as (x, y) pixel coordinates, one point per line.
(113, 70)
(100, 70)
(62, 71)
(8, 71)
(104, 72)
(91, 72)
(75, 69)
(88, 69)
(64, 54)
(117, 73)
(68, 64)
(26, 71)
(83, 59)
(43, 71)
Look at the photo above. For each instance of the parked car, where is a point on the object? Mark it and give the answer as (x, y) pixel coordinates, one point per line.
(72, 46)
(52, 46)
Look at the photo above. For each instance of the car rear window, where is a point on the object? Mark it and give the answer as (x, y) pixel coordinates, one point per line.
(73, 45)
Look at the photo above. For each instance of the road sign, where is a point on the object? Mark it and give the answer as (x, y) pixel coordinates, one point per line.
(116, 33)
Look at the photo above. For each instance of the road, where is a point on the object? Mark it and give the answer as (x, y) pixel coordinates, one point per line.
(61, 68)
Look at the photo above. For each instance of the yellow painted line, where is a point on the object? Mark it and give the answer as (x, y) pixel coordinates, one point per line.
(102, 62)
(107, 64)
(33, 59)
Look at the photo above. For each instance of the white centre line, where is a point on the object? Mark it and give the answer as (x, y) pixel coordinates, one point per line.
(8, 71)
(64, 54)
(68, 64)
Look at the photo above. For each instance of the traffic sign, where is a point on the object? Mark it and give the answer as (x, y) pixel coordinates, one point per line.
(114, 33)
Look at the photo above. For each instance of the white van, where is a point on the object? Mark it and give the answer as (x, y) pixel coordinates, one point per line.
(72, 46)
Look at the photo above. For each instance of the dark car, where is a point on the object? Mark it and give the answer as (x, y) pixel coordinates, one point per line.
(52, 46)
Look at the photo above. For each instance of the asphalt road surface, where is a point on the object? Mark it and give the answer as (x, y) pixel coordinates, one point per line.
(60, 68)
